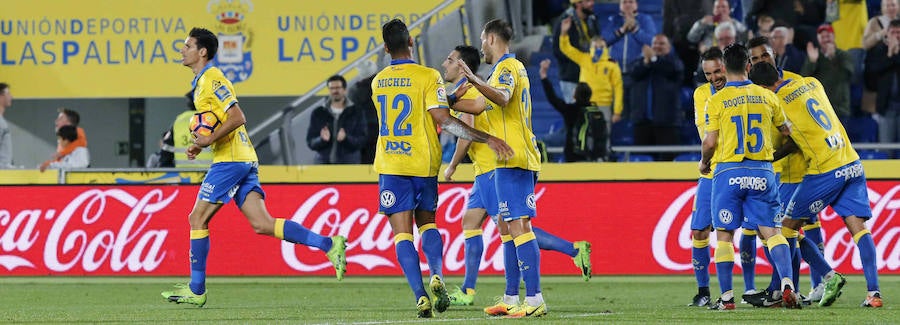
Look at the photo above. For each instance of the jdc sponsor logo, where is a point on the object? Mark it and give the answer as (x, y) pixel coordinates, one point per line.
(398, 147)
(748, 182)
(849, 172)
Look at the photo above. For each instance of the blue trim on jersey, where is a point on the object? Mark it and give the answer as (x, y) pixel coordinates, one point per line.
(402, 61)
(712, 89)
(780, 72)
(197, 77)
(461, 82)
(783, 83)
(504, 57)
(738, 83)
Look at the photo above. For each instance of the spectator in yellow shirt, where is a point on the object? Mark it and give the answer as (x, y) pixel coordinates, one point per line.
(597, 70)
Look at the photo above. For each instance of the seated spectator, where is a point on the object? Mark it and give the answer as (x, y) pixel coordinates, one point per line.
(787, 56)
(597, 70)
(656, 110)
(78, 158)
(337, 130)
(703, 31)
(833, 67)
(66, 117)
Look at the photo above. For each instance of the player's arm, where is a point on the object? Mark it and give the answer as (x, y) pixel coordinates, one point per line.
(462, 146)
(472, 106)
(460, 129)
(786, 149)
(707, 149)
(499, 96)
(235, 119)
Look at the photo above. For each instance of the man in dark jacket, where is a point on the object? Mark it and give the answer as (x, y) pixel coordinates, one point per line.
(337, 130)
(584, 27)
(656, 107)
(883, 67)
(570, 112)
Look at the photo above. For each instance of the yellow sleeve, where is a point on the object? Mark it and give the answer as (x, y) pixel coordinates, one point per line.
(712, 116)
(223, 92)
(472, 93)
(505, 80)
(699, 106)
(615, 79)
(778, 118)
(435, 95)
(571, 52)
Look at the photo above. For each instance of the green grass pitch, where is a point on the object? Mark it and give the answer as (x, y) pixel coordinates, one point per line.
(388, 300)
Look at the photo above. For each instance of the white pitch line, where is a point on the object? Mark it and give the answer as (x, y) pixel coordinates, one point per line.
(432, 320)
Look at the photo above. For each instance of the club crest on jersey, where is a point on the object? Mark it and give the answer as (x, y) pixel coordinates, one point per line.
(505, 77)
(234, 56)
(725, 216)
(387, 198)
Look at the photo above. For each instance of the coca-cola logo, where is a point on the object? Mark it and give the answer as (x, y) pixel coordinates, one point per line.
(839, 245)
(73, 238)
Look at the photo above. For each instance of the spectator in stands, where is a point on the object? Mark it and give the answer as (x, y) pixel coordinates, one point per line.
(787, 56)
(782, 11)
(850, 23)
(597, 70)
(876, 33)
(78, 158)
(678, 17)
(5, 136)
(361, 97)
(883, 65)
(726, 34)
(626, 33)
(833, 67)
(337, 130)
(66, 117)
(764, 25)
(810, 14)
(586, 26)
(570, 111)
(703, 31)
(656, 110)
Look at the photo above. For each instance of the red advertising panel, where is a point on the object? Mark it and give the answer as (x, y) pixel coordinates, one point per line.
(635, 228)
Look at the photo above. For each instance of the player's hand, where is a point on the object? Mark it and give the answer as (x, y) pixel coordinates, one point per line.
(325, 134)
(461, 90)
(465, 69)
(812, 52)
(545, 65)
(341, 135)
(703, 167)
(192, 151)
(448, 173)
(503, 150)
(202, 141)
(565, 24)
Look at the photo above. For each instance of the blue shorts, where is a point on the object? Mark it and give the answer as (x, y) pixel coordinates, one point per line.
(483, 194)
(701, 218)
(515, 193)
(227, 180)
(785, 193)
(405, 193)
(747, 189)
(843, 188)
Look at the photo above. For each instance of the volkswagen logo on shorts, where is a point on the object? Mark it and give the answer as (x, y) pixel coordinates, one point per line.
(529, 201)
(725, 216)
(387, 198)
(816, 206)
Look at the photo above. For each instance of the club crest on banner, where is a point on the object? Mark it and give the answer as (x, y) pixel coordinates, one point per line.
(235, 38)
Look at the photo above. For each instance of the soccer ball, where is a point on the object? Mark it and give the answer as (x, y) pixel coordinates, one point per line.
(204, 123)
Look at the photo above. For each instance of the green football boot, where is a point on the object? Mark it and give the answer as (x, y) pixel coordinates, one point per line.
(338, 256)
(832, 289)
(583, 259)
(183, 295)
(460, 298)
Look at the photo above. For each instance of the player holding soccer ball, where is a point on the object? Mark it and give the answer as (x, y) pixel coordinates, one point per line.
(233, 174)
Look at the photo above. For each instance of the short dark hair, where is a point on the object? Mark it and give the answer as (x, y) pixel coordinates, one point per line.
(757, 41)
(71, 115)
(583, 93)
(395, 36)
(500, 28)
(337, 78)
(207, 40)
(714, 53)
(894, 23)
(764, 74)
(3, 86)
(469, 55)
(736, 58)
(67, 132)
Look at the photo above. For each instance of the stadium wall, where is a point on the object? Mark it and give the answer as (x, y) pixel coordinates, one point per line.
(636, 215)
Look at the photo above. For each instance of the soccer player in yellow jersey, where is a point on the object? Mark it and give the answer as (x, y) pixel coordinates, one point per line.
(740, 120)
(701, 219)
(410, 101)
(508, 91)
(834, 175)
(233, 174)
(482, 198)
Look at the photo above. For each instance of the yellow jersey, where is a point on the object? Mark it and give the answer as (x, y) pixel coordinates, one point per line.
(408, 144)
(603, 74)
(744, 115)
(816, 128)
(213, 92)
(701, 95)
(793, 167)
(785, 75)
(483, 158)
(513, 122)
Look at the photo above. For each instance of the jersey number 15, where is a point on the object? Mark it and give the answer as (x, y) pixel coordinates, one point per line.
(752, 130)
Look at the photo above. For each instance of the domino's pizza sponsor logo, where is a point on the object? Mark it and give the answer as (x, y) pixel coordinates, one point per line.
(207, 188)
(849, 172)
(387, 198)
(725, 216)
(816, 206)
(749, 182)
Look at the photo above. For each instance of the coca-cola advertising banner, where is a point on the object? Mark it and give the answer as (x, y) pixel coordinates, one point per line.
(635, 228)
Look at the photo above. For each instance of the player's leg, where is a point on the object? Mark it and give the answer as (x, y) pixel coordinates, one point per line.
(867, 255)
(397, 202)
(812, 238)
(747, 249)
(511, 273)
(701, 225)
(433, 248)
(250, 198)
(579, 251)
(764, 210)
(195, 291)
(726, 205)
(515, 191)
(474, 250)
(853, 204)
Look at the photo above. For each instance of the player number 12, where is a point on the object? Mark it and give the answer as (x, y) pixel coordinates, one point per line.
(404, 104)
